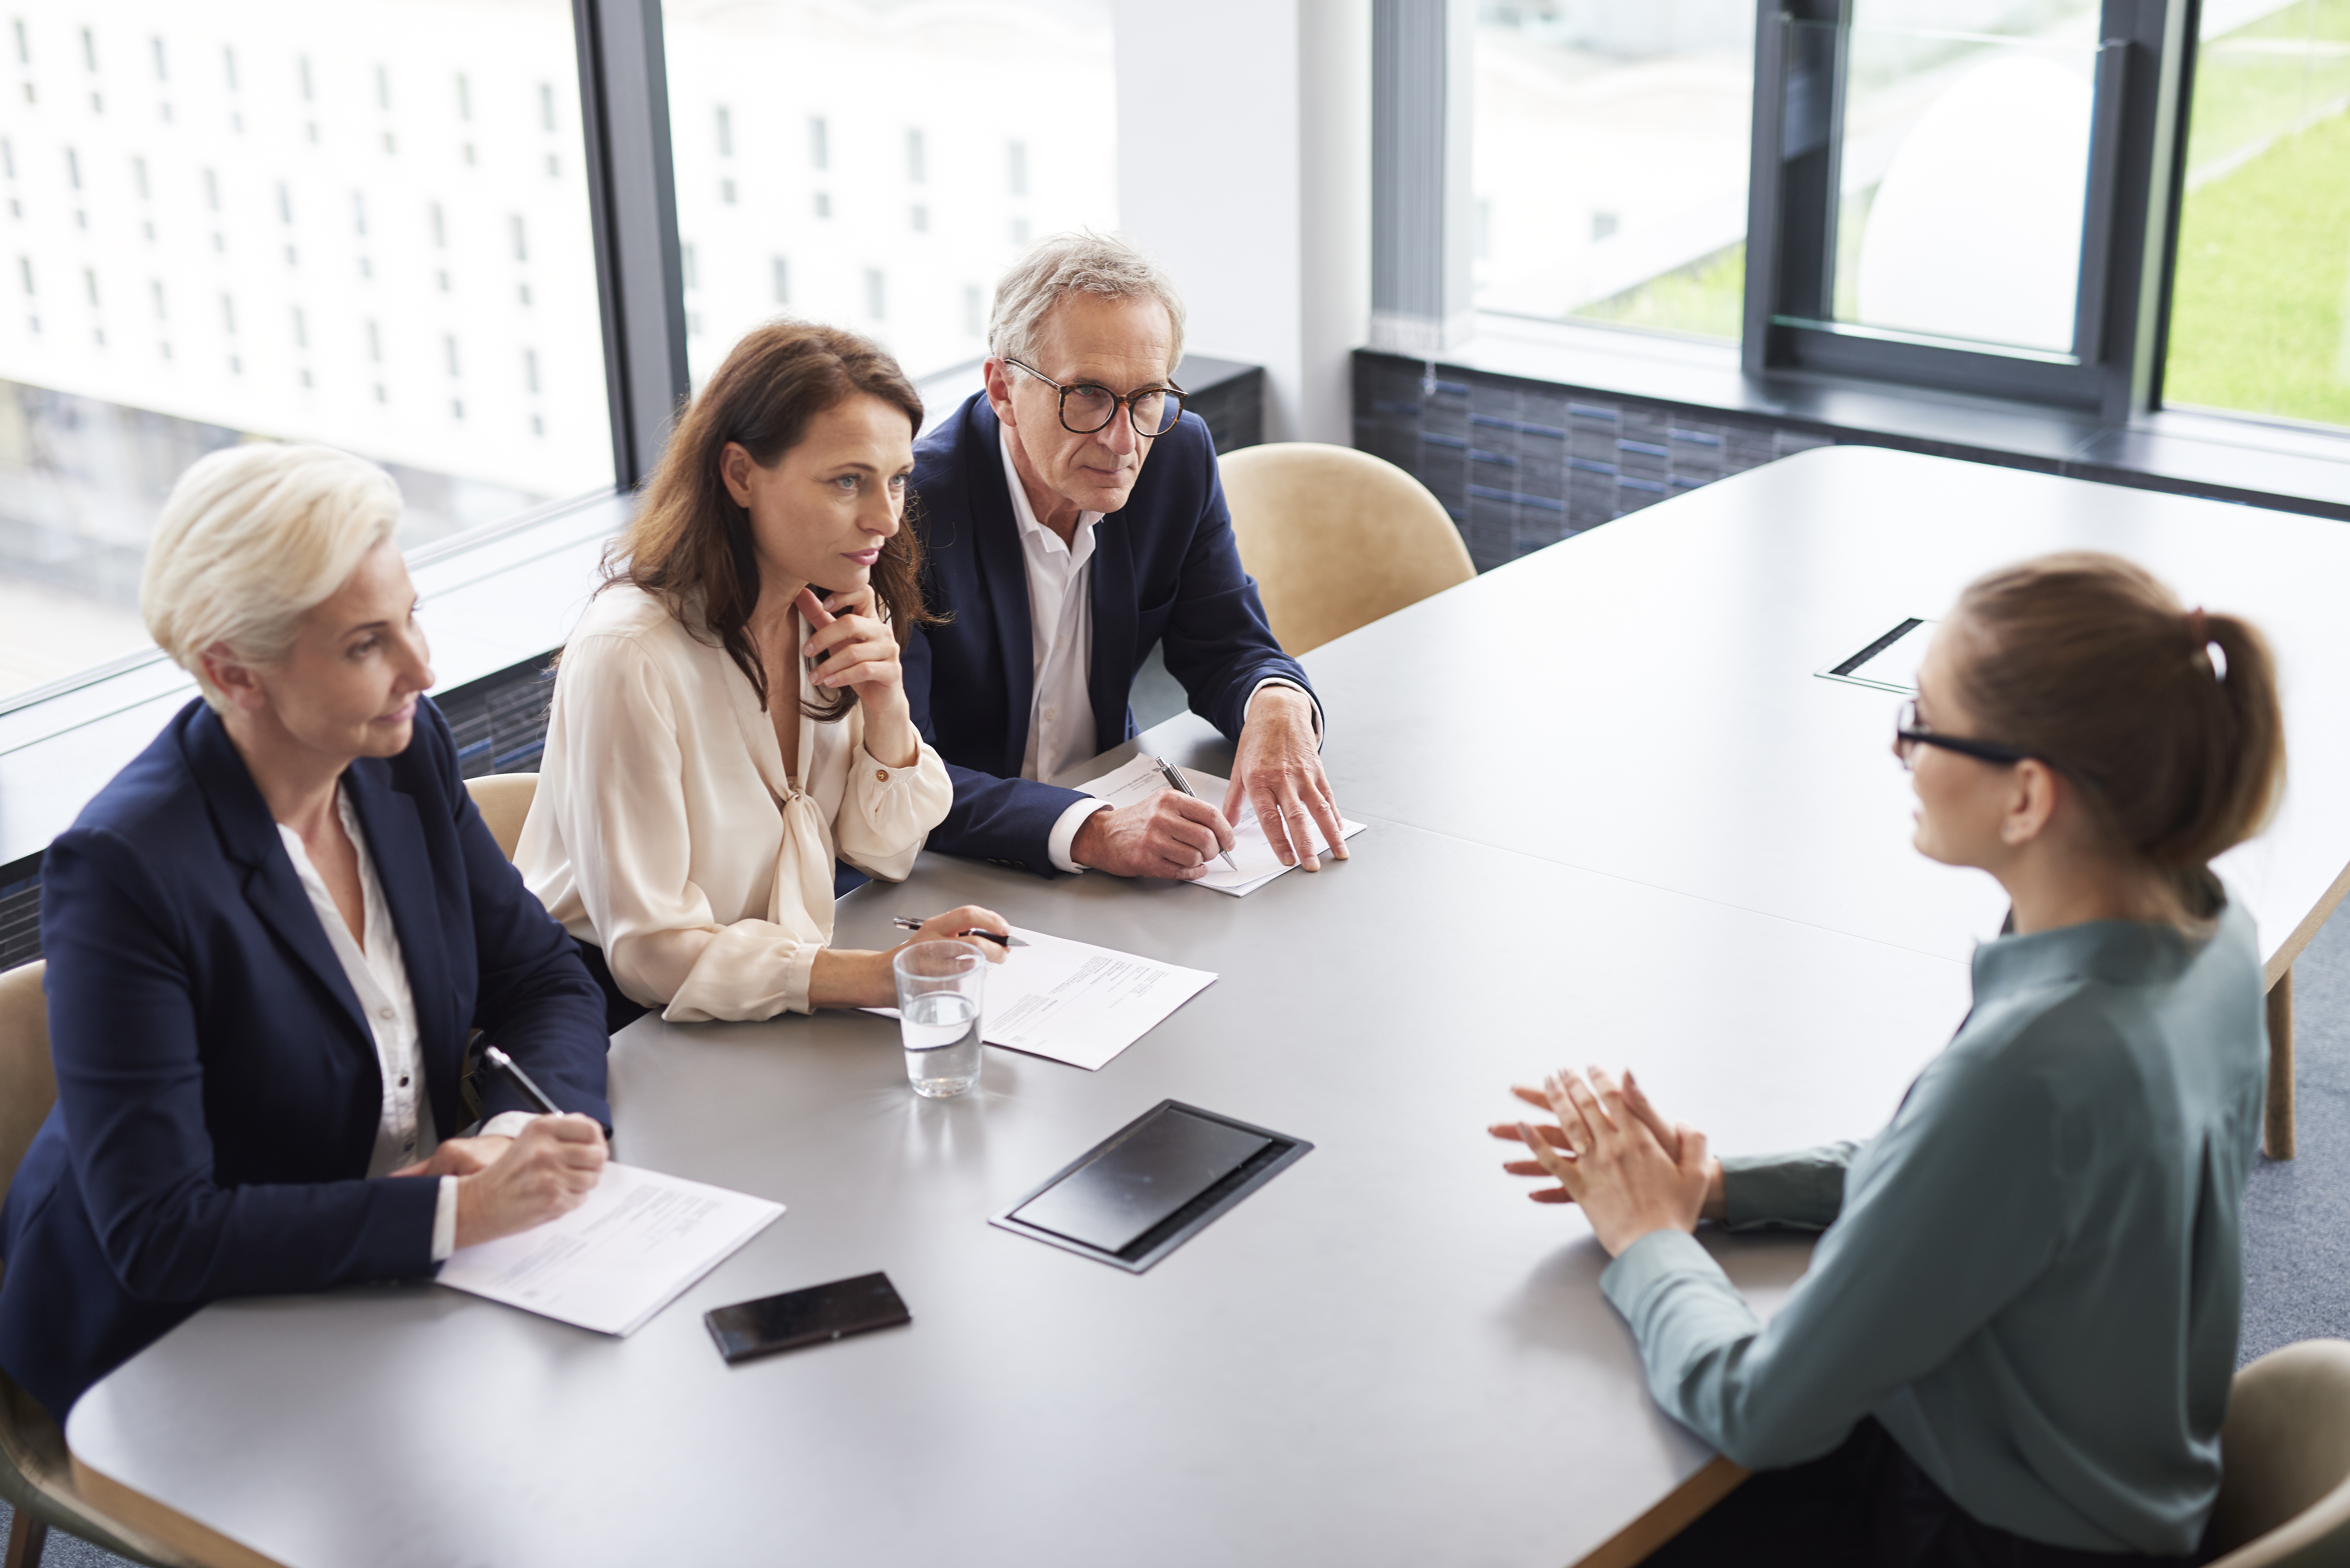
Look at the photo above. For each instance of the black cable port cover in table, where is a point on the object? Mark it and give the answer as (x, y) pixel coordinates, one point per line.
(1149, 1187)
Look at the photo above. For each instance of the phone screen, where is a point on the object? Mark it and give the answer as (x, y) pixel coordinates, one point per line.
(812, 1316)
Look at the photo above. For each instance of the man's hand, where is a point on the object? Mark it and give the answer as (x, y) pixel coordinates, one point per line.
(1170, 835)
(1278, 770)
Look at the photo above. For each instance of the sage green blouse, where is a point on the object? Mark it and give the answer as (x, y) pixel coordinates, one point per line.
(2033, 1276)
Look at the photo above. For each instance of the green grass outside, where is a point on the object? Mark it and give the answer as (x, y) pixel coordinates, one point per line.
(2264, 279)
(2244, 95)
(1706, 297)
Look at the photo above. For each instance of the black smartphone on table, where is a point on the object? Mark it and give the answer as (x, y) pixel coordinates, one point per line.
(815, 1315)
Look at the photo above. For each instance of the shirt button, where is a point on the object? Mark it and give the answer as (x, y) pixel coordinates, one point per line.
(880, 775)
(384, 1014)
(403, 1080)
(1051, 714)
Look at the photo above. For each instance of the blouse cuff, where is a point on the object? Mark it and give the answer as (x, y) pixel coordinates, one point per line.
(1655, 1260)
(1804, 1189)
(444, 1220)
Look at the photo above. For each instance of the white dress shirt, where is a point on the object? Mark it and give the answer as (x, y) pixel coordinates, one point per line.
(1061, 654)
(669, 829)
(404, 1133)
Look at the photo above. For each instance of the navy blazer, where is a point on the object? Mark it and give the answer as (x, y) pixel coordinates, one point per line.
(1165, 570)
(218, 1091)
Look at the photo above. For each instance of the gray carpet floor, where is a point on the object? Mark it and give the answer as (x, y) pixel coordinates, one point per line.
(2296, 1247)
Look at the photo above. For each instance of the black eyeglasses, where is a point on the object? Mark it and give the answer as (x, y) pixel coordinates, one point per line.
(1088, 406)
(1910, 732)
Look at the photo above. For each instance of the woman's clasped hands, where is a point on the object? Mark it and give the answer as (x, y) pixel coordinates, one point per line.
(1615, 1154)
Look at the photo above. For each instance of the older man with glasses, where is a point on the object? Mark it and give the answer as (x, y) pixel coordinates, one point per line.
(1071, 519)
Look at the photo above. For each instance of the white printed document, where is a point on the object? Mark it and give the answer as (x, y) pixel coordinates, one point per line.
(1075, 1002)
(1253, 862)
(611, 1263)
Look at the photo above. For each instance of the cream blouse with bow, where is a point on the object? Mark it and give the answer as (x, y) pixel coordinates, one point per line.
(668, 831)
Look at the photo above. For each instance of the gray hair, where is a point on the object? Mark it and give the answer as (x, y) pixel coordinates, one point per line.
(1080, 263)
(254, 537)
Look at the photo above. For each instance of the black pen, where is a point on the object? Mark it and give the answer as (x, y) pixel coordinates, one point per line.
(520, 1079)
(1176, 780)
(907, 923)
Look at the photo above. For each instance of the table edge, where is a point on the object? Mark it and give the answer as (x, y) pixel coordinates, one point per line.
(2281, 961)
(1675, 1513)
(165, 1523)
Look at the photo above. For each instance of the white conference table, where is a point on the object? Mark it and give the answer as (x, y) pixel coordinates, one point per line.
(1385, 1355)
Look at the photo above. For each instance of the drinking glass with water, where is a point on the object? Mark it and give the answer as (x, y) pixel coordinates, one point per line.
(939, 986)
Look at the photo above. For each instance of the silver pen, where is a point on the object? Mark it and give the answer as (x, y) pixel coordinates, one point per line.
(1181, 785)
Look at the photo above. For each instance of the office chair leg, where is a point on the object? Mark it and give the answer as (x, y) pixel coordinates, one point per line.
(26, 1536)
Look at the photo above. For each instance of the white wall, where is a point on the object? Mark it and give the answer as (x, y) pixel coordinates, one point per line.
(1243, 163)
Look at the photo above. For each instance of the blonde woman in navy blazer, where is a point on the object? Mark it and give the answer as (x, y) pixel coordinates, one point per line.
(267, 939)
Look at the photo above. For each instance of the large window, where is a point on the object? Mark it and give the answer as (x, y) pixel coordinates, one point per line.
(1610, 147)
(2261, 303)
(363, 224)
(876, 165)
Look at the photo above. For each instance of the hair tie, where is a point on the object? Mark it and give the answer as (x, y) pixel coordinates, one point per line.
(2198, 633)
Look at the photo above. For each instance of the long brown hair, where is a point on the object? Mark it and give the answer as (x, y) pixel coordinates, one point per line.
(2088, 661)
(690, 545)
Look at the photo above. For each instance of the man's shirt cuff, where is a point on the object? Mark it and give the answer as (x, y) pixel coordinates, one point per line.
(1294, 686)
(1064, 832)
(506, 1124)
(444, 1220)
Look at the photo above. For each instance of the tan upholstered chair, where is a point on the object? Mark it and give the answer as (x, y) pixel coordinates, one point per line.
(2284, 1454)
(35, 1472)
(1336, 538)
(503, 800)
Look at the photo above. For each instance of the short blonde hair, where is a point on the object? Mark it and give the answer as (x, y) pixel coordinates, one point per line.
(1081, 262)
(251, 538)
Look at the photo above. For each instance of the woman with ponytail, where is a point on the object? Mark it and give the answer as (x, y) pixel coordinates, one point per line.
(2016, 1338)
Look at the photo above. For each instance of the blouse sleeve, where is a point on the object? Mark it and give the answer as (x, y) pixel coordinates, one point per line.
(621, 811)
(886, 813)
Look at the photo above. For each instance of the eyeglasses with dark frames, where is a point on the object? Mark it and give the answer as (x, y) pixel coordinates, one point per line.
(1087, 406)
(1910, 732)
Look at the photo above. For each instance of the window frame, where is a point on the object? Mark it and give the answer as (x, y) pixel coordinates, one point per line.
(2128, 239)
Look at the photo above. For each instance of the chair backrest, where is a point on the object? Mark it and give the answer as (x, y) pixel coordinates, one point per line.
(1336, 538)
(503, 800)
(2284, 1454)
(29, 1083)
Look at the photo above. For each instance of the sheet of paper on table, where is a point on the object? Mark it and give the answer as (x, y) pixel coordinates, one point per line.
(1253, 862)
(611, 1263)
(1075, 1002)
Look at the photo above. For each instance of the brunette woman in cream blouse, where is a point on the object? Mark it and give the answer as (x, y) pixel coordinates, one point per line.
(729, 715)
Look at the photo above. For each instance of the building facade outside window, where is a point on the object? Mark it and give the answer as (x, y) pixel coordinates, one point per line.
(364, 224)
(876, 163)
(1610, 150)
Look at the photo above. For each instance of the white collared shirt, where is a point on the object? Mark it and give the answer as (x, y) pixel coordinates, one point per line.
(1061, 654)
(377, 973)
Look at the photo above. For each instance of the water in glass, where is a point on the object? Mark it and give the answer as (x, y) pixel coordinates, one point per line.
(940, 1030)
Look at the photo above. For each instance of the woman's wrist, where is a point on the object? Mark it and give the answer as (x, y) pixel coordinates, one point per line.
(852, 977)
(890, 738)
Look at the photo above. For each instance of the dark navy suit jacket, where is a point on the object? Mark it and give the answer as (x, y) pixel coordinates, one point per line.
(218, 1090)
(1165, 570)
